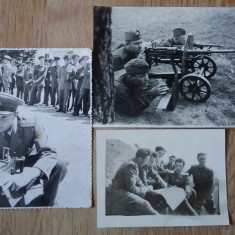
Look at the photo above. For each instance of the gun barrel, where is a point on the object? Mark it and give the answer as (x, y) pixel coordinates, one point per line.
(211, 51)
(206, 45)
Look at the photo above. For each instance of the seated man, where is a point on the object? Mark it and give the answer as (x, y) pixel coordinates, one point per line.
(133, 91)
(203, 179)
(179, 179)
(128, 195)
(131, 50)
(24, 138)
(178, 39)
(170, 166)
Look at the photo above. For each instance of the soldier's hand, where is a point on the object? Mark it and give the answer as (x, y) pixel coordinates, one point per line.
(141, 55)
(5, 182)
(20, 180)
(159, 90)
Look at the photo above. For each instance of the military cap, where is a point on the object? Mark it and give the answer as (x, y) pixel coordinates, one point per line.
(133, 35)
(56, 58)
(7, 57)
(51, 60)
(40, 57)
(83, 58)
(67, 57)
(74, 56)
(136, 66)
(143, 152)
(178, 32)
(9, 103)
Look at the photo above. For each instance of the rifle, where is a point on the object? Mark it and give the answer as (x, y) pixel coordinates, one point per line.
(13, 166)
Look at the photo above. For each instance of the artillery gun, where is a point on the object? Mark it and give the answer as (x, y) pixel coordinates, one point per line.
(192, 68)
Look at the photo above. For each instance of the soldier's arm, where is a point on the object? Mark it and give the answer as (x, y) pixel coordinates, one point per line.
(48, 156)
(154, 174)
(131, 179)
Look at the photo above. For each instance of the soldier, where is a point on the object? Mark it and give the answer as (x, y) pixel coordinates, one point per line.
(181, 180)
(26, 138)
(28, 79)
(19, 80)
(47, 87)
(133, 92)
(170, 166)
(79, 76)
(203, 179)
(13, 78)
(65, 77)
(54, 81)
(177, 40)
(38, 77)
(131, 50)
(6, 73)
(128, 193)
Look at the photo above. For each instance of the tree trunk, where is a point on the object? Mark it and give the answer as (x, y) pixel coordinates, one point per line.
(103, 76)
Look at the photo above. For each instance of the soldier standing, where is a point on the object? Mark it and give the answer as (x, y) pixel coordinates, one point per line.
(131, 50)
(6, 73)
(203, 179)
(38, 76)
(28, 79)
(54, 81)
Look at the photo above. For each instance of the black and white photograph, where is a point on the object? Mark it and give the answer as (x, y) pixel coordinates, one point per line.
(164, 67)
(161, 178)
(45, 128)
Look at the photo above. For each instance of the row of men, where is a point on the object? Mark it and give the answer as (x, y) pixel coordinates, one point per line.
(132, 191)
(59, 82)
(134, 92)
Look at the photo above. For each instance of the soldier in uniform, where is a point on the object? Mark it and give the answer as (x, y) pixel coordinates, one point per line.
(28, 79)
(38, 77)
(54, 82)
(177, 40)
(203, 179)
(6, 73)
(133, 92)
(13, 78)
(19, 81)
(170, 166)
(128, 195)
(26, 138)
(47, 87)
(131, 50)
(65, 77)
(181, 180)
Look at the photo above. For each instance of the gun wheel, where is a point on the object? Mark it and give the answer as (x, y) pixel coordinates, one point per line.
(206, 62)
(195, 88)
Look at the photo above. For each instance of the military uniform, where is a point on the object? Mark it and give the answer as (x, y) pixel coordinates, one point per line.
(28, 75)
(27, 138)
(54, 84)
(7, 76)
(36, 89)
(127, 192)
(19, 83)
(203, 179)
(47, 87)
(121, 56)
(169, 166)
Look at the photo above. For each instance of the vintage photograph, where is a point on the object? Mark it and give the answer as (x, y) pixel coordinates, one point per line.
(161, 178)
(164, 66)
(45, 128)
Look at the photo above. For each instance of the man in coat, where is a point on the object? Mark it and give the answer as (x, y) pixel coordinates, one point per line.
(23, 137)
(6, 73)
(203, 179)
(54, 81)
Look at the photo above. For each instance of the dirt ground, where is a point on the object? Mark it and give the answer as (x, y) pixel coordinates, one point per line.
(208, 26)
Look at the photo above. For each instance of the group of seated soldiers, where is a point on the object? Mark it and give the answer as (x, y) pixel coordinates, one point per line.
(134, 188)
(134, 92)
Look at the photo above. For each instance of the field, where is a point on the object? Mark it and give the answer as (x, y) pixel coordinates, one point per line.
(209, 25)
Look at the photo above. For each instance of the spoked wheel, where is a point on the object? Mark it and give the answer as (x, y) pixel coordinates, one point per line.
(204, 61)
(195, 88)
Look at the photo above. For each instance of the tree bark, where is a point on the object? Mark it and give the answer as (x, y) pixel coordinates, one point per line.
(103, 75)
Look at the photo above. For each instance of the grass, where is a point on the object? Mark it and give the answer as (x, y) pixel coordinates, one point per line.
(209, 25)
